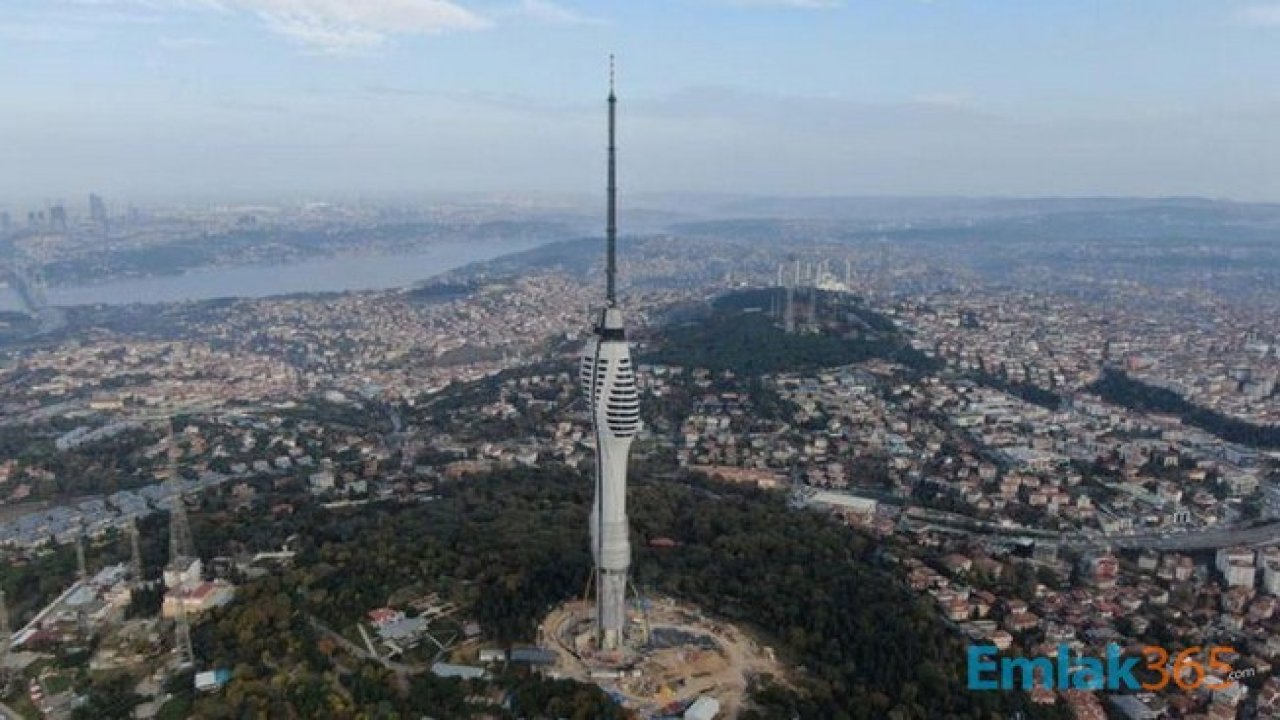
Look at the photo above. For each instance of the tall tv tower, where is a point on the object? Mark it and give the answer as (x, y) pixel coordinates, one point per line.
(609, 381)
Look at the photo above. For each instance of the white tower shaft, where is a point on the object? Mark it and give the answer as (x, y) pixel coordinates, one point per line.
(608, 378)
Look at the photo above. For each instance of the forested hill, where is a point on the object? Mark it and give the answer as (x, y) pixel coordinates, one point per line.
(740, 333)
(511, 545)
(869, 647)
(1117, 387)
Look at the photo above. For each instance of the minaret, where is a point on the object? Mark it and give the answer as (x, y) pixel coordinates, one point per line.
(609, 381)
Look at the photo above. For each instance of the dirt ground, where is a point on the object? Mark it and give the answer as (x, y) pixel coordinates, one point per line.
(690, 655)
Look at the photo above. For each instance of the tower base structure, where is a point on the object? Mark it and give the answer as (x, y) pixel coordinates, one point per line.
(671, 657)
(617, 635)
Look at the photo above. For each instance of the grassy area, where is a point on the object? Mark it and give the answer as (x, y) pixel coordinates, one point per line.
(56, 683)
(177, 708)
(22, 704)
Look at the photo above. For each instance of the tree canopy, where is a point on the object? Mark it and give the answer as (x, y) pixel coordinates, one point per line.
(1118, 387)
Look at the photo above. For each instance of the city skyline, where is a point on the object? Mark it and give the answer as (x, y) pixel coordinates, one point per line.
(244, 99)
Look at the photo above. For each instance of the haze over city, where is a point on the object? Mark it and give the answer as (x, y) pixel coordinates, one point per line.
(661, 360)
(246, 99)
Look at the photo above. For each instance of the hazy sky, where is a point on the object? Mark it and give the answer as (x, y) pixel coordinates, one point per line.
(145, 99)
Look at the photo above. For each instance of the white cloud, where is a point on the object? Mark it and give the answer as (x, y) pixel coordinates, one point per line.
(184, 43)
(333, 25)
(550, 13)
(944, 98)
(801, 4)
(148, 4)
(1260, 15)
(357, 25)
(78, 21)
(361, 26)
(42, 33)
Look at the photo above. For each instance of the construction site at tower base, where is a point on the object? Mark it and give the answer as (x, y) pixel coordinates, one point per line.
(676, 662)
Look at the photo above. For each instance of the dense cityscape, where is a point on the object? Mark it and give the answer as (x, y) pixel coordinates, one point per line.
(1041, 464)
(689, 360)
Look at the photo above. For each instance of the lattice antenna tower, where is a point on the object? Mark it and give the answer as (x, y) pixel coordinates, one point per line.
(6, 634)
(181, 547)
(82, 567)
(181, 556)
(182, 635)
(82, 571)
(135, 553)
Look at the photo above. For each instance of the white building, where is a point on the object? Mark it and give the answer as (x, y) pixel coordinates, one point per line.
(1240, 575)
(1271, 577)
(1227, 557)
(191, 576)
(843, 501)
(198, 598)
(704, 708)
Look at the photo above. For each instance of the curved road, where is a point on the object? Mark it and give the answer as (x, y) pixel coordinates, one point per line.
(1206, 539)
(1259, 536)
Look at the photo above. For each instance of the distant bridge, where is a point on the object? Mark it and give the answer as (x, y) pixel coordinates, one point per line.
(31, 290)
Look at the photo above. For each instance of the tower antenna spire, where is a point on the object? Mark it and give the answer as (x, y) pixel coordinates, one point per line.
(611, 225)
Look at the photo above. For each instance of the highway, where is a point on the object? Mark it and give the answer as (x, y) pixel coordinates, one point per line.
(1202, 539)
(1191, 540)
